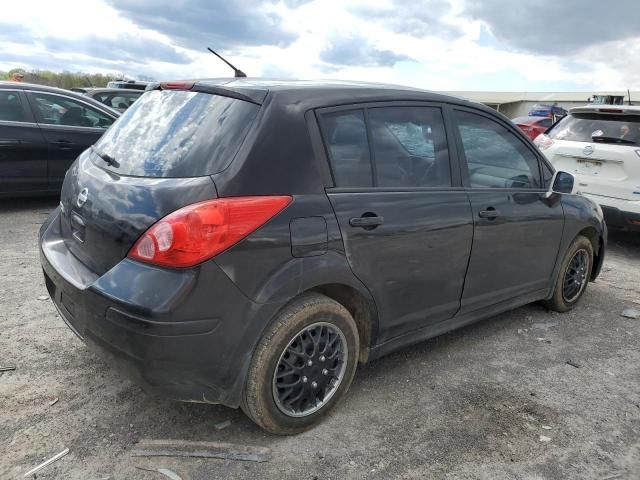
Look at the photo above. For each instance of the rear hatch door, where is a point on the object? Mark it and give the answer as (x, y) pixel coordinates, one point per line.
(602, 150)
(155, 159)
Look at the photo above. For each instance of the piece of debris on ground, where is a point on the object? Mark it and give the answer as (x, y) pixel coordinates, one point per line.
(164, 471)
(222, 425)
(180, 448)
(631, 313)
(55, 458)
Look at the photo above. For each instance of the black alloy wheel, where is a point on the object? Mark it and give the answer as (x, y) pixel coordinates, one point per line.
(310, 369)
(575, 277)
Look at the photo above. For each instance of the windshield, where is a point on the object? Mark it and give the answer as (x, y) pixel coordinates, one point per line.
(176, 134)
(596, 127)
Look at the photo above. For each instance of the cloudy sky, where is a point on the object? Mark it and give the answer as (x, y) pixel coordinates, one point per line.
(548, 45)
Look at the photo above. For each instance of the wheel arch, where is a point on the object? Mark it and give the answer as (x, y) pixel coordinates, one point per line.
(596, 240)
(361, 309)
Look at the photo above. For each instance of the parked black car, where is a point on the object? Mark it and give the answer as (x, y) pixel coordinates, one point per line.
(42, 131)
(248, 243)
(117, 98)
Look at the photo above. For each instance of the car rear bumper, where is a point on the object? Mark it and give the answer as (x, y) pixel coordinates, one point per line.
(618, 213)
(187, 334)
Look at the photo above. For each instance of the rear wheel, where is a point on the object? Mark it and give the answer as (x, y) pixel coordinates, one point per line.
(573, 276)
(302, 366)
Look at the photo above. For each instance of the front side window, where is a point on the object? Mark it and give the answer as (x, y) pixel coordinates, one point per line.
(345, 136)
(58, 110)
(11, 107)
(409, 147)
(496, 158)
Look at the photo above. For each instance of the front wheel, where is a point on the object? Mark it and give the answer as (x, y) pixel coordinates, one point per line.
(302, 366)
(573, 276)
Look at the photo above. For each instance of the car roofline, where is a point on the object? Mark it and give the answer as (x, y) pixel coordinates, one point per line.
(607, 109)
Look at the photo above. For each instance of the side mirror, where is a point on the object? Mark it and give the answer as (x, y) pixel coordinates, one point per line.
(562, 182)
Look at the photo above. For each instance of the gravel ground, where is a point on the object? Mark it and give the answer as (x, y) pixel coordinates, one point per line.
(470, 404)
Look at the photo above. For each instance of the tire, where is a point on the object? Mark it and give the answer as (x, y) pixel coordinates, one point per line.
(312, 323)
(564, 298)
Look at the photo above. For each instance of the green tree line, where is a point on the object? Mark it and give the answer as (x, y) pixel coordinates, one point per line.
(66, 80)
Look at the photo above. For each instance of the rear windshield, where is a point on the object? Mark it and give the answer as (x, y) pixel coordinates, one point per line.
(524, 119)
(596, 127)
(177, 134)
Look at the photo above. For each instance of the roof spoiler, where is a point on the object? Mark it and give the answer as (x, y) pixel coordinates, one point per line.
(245, 94)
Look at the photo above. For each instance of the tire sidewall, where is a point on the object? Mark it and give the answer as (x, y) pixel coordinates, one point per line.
(580, 243)
(263, 409)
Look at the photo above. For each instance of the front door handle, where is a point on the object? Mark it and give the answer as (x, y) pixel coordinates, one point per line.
(489, 213)
(366, 222)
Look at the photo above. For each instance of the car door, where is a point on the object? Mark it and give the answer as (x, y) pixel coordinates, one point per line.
(23, 150)
(69, 126)
(517, 231)
(405, 222)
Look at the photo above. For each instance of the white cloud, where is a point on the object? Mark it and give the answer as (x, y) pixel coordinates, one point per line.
(436, 44)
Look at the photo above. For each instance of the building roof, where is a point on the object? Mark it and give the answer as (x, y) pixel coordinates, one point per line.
(501, 98)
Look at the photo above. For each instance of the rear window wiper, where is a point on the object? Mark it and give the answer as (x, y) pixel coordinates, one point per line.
(622, 141)
(107, 158)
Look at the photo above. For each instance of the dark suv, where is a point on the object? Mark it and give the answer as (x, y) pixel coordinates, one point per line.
(248, 243)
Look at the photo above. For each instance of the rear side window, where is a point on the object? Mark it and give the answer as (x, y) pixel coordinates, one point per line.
(496, 158)
(545, 122)
(345, 136)
(119, 101)
(11, 107)
(58, 110)
(409, 147)
(177, 134)
(597, 127)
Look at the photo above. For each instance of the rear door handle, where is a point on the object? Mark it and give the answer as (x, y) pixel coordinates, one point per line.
(366, 222)
(489, 213)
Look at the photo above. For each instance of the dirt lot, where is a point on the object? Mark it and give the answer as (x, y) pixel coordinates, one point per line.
(470, 404)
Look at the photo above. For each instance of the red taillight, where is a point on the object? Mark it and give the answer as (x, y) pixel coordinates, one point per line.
(198, 232)
(176, 85)
(610, 110)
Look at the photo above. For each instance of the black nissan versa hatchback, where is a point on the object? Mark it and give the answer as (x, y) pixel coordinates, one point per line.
(249, 243)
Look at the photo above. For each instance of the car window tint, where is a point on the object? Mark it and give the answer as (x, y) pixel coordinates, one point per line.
(545, 122)
(547, 175)
(58, 110)
(11, 107)
(409, 147)
(345, 136)
(495, 157)
(177, 133)
(598, 127)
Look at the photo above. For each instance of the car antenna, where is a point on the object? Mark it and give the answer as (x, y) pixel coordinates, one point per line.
(237, 72)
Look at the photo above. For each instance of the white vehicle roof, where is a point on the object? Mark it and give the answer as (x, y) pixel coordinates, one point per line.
(608, 109)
